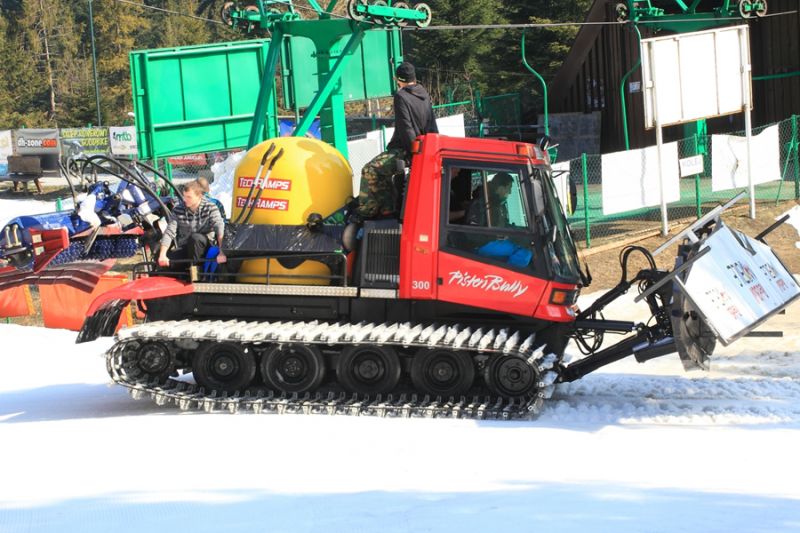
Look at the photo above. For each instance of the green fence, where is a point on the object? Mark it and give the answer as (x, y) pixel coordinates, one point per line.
(589, 224)
(489, 116)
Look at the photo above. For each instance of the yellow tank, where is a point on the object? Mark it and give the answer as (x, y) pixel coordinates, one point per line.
(255, 270)
(310, 177)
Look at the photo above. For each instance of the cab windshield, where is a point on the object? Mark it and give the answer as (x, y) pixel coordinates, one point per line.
(559, 245)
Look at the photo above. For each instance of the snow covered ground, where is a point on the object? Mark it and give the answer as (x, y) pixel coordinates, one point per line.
(10, 209)
(631, 448)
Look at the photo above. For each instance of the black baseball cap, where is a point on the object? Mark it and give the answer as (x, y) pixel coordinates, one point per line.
(405, 72)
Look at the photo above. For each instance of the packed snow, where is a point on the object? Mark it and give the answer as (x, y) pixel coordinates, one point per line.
(630, 448)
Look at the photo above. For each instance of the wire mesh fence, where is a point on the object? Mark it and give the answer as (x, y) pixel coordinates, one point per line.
(697, 192)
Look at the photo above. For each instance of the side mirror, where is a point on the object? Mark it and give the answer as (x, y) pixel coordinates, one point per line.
(544, 142)
(538, 198)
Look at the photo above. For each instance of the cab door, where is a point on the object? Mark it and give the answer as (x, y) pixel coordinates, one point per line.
(488, 252)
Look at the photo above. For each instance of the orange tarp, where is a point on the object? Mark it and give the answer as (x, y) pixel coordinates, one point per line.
(16, 301)
(65, 307)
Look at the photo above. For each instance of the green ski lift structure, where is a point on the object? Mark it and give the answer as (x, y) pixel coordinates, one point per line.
(683, 17)
(199, 99)
(679, 16)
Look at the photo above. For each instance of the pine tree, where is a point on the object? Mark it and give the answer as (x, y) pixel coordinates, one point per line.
(21, 77)
(56, 40)
(116, 27)
(461, 62)
(173, 27)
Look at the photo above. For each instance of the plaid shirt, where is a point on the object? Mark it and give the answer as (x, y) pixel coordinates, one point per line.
(183, 223)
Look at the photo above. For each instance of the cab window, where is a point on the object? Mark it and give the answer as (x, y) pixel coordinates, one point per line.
(487, 214)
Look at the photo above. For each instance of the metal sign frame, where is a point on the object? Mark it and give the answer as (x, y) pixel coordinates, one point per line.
(668, 83)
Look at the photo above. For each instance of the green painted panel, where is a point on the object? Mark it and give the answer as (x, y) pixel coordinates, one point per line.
(300, 79)
(199, 80)
(368, 74)
(164, 77)
(244, 71)
(197, 98)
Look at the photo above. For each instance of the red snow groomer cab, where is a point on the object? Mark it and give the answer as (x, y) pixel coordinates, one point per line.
(461, 305)
(512, 254)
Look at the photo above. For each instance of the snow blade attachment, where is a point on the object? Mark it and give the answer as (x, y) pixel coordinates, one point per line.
(103, 315)
(735, 286)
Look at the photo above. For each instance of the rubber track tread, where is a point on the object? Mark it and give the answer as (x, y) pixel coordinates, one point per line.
(187, 396)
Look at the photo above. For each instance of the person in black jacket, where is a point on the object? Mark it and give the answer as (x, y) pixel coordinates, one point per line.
(413, 116)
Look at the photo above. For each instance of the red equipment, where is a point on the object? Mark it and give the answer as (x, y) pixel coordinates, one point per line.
(461, 307)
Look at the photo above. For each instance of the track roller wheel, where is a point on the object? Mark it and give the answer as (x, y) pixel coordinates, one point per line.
(223, 367)
(352, 10)
(369, 369)
(510, 376)
(426, 9)
(761, 8)
(442, 372)
(156, 360)
(293, 367)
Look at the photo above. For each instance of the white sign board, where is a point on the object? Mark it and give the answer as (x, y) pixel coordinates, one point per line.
(363, 150)
(123, 140)
(631, 181)
(452, 126)
(691, 166)
(697, 75)
(738, 284)
(729, 159)
(561, 182)
(794, 220)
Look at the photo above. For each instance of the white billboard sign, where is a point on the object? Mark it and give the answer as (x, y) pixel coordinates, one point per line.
(729, 159)
(123, 140)
(631, 179)
(698, 75)
(738, 283)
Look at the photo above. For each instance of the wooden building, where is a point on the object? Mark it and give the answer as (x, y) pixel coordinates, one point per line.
(590, 79)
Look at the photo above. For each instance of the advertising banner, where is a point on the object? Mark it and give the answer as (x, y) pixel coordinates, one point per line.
(84, 141)
(6, 149)
(193, 160)
(631, 179)
(123, 140)
(36, 142)
(729, 159)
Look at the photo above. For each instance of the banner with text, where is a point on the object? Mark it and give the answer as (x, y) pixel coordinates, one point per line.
(631, 181)
(36, 142)
(739, 283)
(84, 141)
(123, 140)
(729, 159)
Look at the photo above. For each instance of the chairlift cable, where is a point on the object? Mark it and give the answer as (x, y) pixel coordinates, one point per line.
(182, 14)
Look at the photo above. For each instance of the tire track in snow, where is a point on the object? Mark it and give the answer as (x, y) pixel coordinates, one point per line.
(642, 399)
